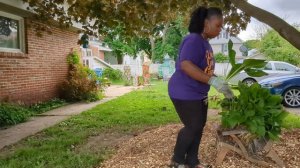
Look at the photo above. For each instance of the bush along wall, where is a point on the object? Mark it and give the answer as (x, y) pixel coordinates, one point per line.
(82, 83)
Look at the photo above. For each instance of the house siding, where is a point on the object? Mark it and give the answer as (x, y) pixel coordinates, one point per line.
(37, 75)
(101, 55)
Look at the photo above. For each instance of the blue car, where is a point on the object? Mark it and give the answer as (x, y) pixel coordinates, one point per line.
(288, 86)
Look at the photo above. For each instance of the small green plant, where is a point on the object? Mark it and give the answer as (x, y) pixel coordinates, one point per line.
(73, 58)
(46, 106)
(11, 114)
(220, 58)
(141, 80)
(112, 74)
(128, 82)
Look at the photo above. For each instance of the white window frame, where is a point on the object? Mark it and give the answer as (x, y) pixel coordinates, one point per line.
(21, 33)
(85, 51)
(224, 47)
(86, 62)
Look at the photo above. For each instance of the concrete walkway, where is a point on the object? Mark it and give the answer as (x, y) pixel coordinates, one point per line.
(36, 124)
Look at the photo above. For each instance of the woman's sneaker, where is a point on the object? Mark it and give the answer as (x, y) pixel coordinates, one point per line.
(177, 165)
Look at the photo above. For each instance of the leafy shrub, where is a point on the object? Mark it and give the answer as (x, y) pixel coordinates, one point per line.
(73, 58)
(112, 74)
(46, 106)
(128, 82)
(82, 84)
(11, 114)
(141, 80)
(220, 58)
(255, 109)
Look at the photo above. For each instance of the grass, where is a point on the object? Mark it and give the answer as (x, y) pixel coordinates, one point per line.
(63, 145)
(117, 82)
(291, 121)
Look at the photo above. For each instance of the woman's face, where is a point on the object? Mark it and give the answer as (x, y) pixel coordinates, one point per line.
(213, 26)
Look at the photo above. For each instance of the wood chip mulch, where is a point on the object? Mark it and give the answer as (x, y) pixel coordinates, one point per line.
(153, 149)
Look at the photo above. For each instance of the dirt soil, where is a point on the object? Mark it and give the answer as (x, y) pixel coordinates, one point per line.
(153, 149)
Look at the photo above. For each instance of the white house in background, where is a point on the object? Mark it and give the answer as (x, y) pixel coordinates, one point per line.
(219, 44)
(93, 56)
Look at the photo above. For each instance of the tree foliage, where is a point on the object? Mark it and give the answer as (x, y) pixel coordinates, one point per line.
(122, 44)
(274, 47)
(138, 17)
(141, 17)
(170, 40)
(252, 44)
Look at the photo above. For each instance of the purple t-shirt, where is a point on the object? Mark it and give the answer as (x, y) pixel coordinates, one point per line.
(197, 50)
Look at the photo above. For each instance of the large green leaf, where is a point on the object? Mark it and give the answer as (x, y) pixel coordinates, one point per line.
(234, 71)
(251, 125)
(255, 72)
(247, 64)
(272, 136)
(254, 63)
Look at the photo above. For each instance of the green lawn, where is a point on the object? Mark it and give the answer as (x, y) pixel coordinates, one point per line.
(60, 146)
(63, 145)
(118, 82)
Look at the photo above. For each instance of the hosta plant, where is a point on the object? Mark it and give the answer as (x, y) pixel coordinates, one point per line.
(255, 109)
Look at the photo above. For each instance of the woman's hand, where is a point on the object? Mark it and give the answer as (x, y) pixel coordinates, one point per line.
(221, 86)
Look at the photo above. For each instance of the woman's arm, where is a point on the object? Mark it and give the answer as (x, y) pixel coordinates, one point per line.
(194, 72)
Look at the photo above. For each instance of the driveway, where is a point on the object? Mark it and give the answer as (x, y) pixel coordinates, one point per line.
(294, 110)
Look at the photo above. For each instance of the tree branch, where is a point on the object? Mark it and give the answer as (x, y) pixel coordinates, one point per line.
(287, 31)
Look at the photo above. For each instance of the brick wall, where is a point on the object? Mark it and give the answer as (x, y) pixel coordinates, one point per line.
(37, 75)
(97, 53)
(101, 55)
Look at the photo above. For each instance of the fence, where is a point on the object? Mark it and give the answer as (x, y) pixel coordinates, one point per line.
(221, 69)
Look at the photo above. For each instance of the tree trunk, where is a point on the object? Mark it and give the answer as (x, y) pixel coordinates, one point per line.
(164, 36)
(287, 31)
(120, 59)
(152, 41)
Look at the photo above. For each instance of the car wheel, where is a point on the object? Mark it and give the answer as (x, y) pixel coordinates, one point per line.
(291, 97)
(249, 81)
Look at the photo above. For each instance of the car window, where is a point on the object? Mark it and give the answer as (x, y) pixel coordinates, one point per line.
(283, 67)
(268, 66)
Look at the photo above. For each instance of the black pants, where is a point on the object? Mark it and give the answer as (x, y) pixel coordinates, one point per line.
(193, 114)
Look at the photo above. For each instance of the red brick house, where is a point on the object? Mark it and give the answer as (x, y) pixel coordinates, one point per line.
(31, 68)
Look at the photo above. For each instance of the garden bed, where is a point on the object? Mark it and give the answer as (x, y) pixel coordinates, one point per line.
(154, 149)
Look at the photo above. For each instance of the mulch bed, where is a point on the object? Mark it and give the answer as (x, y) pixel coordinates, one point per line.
(153, 149)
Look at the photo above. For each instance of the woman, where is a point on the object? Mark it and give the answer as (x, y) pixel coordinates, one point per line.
(189, 85)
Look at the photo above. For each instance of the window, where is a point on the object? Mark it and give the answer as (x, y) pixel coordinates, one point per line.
(224, 34)
(224, 48)
(284, 67)
(86, 62)
(89, 53)
(86, 52)
(11, 33)
(268, 67)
